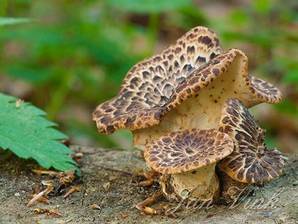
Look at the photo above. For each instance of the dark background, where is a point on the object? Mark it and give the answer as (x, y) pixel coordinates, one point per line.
(73, 54)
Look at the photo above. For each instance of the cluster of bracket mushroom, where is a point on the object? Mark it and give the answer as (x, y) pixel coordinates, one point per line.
(187, 109)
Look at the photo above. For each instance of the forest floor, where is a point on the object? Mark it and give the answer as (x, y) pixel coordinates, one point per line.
(109, 192)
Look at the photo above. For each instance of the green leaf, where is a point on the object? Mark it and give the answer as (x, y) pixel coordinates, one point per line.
(12, 21)
(25, 131)
(149, 6)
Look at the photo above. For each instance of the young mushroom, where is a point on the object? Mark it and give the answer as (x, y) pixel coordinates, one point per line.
(184, 87)
(188, 158)
(251, 162)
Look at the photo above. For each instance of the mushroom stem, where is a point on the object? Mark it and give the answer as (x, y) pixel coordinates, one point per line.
(201, 184)
(189, 158)
(232, 190)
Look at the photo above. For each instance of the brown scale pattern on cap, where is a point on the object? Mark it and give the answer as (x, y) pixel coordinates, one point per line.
(149, 87)
(251, 161)
(265, 91)
(155, 86)
(188, 150)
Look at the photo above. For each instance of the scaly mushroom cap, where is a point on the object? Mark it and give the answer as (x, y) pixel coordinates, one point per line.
(187, 150)
(265, 91)
(149, 85)
(155, 86)
(251, 161)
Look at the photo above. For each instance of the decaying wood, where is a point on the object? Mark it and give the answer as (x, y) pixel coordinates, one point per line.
(109, 192)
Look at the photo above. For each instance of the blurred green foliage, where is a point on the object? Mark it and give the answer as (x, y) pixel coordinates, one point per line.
(74, 54)
(12, 21)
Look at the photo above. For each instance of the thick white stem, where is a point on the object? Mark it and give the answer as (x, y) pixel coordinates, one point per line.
(201, 184)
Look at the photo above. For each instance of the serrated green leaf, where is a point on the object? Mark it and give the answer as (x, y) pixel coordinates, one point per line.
(26, 132)
(12, 21)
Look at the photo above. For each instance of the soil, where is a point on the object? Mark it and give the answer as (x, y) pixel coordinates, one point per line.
(109, 180)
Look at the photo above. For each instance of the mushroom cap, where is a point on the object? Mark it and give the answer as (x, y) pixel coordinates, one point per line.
(149, 85)
(187, 150)
(265, 91)
(155, 86)
(251, 90)
(251, 161)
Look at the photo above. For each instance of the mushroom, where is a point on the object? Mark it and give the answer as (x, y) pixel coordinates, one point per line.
(187, 160)
(173, 103)
(149, 86)
(232, 190)
(251, 162)
(184, 87)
